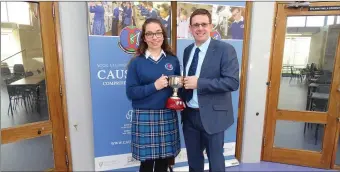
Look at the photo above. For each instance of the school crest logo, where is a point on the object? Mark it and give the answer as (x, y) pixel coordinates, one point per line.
(215, 35)
(242, 26)
(169, 66)
(129, 39)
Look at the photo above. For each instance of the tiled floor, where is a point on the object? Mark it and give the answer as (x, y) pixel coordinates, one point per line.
(268, 166)
(262, 166)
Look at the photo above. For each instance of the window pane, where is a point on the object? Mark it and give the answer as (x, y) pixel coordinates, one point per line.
(296, 21)
(4, 17)
(338, 20)
(302, 135)
(330, 20)
(23, 87)
(296, 51)
(337, 160)
(301, 53)
(5, 46)
(34, 154)
(18, 12)
(315, 21)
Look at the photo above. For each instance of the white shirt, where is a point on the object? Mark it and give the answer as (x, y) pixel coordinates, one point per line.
(148, 54)
(241, 19)
(166, 18)
(193, 103)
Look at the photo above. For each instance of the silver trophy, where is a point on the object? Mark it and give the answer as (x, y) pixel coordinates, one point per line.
(175, 102)
(175, 82)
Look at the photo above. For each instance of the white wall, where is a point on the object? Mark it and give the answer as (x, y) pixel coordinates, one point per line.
(317, 46)
(258, 67)
(74, 35)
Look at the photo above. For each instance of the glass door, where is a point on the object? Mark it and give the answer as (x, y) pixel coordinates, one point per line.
(303, 100)
(32, 130)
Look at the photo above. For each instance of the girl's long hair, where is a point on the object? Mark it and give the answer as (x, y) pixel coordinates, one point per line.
(143, 46)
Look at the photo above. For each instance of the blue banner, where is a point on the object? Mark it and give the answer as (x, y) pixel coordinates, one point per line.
(114, 30)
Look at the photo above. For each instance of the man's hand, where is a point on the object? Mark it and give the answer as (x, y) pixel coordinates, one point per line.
(190, 82)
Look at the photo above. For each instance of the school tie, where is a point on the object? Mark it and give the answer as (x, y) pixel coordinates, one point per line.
(192, 72)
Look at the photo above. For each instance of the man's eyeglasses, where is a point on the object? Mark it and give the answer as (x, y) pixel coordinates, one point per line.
(197, 25)
(150, 35)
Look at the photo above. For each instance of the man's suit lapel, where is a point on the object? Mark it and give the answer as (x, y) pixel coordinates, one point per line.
(209, 55)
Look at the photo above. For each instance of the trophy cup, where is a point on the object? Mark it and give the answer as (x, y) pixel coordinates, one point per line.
(175, 102)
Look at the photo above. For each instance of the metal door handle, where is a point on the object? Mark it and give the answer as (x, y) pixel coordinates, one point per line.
(338, 111)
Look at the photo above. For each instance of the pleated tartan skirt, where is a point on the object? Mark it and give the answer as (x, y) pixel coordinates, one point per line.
(155, 134)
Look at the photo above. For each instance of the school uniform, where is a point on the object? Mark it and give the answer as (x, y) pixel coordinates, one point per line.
(166, 23)
(155, 130)
(115, 21)
(152, 14)
(237, 29)
(127, 17)
(98, 27)
(143, 10)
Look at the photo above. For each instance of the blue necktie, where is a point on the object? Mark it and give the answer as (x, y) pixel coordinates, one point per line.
(192, 72)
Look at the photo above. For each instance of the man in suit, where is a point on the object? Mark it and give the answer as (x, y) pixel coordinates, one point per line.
(211, 73)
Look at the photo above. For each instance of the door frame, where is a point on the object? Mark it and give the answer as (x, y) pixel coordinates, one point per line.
(284, 155)
(57, 125)
(337, 133)
(62, 83)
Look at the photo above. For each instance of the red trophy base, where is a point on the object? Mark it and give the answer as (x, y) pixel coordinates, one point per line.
(175, 103)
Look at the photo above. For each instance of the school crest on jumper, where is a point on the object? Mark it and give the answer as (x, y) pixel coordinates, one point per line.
(169, 66)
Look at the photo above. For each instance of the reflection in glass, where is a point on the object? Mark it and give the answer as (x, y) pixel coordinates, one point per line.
(337, 160)
(330, 20)
(296, 21)
(28, 155)
(4, 17)
(307, 64)
(315, 21)
(302, 135)
(23, 91)
(17, 12)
